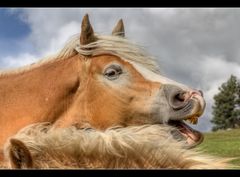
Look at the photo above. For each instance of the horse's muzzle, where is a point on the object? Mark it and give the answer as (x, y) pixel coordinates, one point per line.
(183, 104)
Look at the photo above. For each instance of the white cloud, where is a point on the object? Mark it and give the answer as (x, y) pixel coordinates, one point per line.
(23, 59)
(164, 12)
(62, 36)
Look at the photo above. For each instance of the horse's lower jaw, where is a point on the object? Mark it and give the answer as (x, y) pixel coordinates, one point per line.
(191, 136)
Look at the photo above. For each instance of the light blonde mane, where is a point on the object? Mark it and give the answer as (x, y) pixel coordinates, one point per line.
(114, 45)
(147, 146)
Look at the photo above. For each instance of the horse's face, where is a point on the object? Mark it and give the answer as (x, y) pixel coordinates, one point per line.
(115, 91)
(118, 92)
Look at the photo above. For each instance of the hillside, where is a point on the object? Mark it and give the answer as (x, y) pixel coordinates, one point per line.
(223, 144)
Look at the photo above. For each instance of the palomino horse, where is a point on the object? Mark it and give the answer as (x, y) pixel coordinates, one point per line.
(99, 82)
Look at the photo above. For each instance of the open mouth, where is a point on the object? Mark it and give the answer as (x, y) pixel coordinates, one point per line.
(185, 132)
(189, 111)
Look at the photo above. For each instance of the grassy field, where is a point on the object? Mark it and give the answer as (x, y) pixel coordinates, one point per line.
(223, 144)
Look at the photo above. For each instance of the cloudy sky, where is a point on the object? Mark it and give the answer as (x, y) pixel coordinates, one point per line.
(197, 47)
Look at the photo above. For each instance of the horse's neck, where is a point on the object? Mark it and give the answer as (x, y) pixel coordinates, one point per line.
(37, 95)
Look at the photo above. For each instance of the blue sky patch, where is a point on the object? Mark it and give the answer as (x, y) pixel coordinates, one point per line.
(11, 26)
(12, 32)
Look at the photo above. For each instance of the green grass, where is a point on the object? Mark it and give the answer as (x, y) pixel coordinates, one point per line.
(223, 144)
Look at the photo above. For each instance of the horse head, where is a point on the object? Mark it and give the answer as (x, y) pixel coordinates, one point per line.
(121, 85)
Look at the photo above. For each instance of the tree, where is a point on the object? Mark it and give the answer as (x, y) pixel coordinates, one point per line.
(237, 108)
(226, 108)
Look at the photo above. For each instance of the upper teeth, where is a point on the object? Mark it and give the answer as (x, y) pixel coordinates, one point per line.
(193, 120)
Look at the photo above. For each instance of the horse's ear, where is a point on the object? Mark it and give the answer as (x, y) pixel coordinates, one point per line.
(87, 33)
(20, 156)
(119, 29)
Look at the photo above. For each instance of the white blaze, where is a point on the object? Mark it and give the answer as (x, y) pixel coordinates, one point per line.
(150, 75)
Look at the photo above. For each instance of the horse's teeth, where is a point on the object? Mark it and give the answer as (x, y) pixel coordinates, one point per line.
(193, 120)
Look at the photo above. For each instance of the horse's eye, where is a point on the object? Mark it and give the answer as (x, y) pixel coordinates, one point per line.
(113, 72)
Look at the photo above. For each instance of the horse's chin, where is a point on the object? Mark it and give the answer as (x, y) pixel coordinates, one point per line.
(186, 133)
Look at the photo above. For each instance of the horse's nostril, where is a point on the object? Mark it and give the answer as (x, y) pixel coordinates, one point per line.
(178, 100)
(176, 96)
(180, 96)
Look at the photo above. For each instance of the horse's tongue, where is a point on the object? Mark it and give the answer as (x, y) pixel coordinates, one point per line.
(192, 137)
(189, 132)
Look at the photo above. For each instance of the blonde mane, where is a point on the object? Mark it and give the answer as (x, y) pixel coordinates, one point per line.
(114, 45)
(147, 146)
